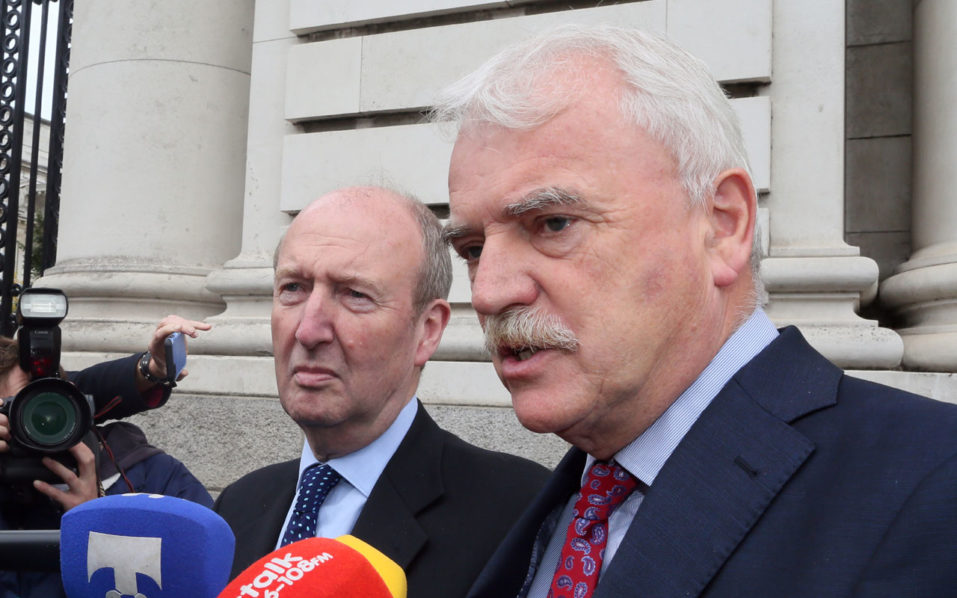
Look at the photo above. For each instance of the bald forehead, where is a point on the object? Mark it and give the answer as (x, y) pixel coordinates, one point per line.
(371, 212)
(358, 198)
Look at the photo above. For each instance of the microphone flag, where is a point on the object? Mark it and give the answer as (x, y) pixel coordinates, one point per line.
(144, 545)
(344, 567)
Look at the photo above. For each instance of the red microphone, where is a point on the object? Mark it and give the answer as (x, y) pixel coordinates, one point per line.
(344, 567)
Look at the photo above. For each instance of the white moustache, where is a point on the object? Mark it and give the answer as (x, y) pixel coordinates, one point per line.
(523, 328)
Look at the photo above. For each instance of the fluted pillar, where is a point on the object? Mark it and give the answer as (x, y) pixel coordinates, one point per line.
(923, 290)
(153, 164)
(816, 281)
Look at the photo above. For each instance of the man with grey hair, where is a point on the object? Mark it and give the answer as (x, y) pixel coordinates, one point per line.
(601, 199)
(359, 306)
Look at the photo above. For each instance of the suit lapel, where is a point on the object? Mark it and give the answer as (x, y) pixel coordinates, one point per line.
(260, 529)
(511, 567)
(711, 491)
(411, 481)
(723, 474)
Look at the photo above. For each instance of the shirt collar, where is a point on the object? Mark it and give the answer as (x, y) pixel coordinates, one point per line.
(363, 467)
(646, 455)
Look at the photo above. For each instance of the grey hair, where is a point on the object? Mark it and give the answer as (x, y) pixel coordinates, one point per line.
(666, 91)
(435, 275)
(669, 93)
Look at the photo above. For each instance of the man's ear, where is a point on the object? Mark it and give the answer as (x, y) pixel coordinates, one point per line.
(431, 325)
(732, 215)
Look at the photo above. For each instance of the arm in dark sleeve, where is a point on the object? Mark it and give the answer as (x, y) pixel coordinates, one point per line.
(113, 386)
(163, 474)
(918, 554)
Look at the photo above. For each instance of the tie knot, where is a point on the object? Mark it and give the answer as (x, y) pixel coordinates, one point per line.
(316, 482)
(317, 473)
(606, 486)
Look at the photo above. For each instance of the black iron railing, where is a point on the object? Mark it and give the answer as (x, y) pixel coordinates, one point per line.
(16, 17)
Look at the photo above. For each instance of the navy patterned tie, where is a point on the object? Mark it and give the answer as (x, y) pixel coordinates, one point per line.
(315, 484)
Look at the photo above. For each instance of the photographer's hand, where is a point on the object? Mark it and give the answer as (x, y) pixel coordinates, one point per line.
(4, 433)
(12, 381)
(82, 487)
(166, 327)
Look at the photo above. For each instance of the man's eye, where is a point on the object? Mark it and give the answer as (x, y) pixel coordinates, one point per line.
(555, 224)
(354, 294)
(470, 252)
(289, 292)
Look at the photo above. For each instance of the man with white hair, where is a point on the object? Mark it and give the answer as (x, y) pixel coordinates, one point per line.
(601, 198)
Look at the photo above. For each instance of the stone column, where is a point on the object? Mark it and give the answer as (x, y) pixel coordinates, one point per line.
(245, 282)
(923, 290)
(815, 280)
(153, 164)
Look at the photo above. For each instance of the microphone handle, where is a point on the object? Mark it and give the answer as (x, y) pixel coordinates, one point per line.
(30, 550)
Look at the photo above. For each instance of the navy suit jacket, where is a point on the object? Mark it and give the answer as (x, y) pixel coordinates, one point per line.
(439, 509)
(796, 481)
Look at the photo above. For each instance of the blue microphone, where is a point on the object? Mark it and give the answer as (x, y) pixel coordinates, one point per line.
(144, 545)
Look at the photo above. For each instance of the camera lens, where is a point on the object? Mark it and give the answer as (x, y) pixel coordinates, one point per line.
(49, 419)
(49, 416)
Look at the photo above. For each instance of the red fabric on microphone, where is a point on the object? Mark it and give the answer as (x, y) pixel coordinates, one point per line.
(344, 567)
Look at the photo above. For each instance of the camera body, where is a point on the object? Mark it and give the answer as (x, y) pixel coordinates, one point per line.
(49, 415)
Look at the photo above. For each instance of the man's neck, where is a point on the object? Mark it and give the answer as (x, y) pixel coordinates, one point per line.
(332, 442)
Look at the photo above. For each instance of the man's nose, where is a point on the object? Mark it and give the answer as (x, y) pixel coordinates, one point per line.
(502, 277)
(315, 324)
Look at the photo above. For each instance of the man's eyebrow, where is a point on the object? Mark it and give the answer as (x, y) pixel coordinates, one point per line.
(539, 199)
(285, 270)
(451, 233)
(358, 280)
(543, 198)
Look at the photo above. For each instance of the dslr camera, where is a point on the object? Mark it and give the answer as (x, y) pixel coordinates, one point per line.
(49, 415)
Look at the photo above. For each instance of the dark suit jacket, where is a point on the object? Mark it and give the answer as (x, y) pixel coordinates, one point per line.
(439, 509)
(796, 481)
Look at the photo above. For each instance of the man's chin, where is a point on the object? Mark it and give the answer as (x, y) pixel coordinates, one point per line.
(310, 419)
(312, 408)
(535, 414)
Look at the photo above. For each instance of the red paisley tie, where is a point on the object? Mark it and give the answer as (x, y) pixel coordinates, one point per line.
(605, 488)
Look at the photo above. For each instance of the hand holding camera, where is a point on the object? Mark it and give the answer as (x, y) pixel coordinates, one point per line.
(82, 485)
(42, 421)
(49, 415)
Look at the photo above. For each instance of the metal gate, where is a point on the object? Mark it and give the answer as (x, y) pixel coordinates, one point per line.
(26, 238)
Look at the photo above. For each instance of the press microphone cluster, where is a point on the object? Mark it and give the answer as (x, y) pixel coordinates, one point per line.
(344, 567)
(152, 546)
(144, 545)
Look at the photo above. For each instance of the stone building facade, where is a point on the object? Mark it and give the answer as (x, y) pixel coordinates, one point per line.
(196, 130)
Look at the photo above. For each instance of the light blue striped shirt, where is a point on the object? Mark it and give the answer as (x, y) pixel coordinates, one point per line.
(360, 471)
(646, 455)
